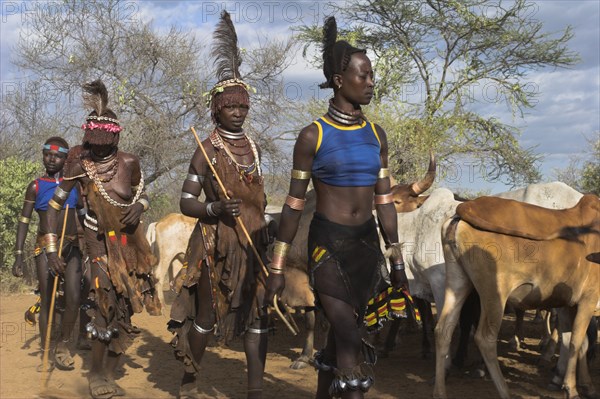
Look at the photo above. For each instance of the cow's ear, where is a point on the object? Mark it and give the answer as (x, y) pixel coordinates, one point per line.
(421, 199)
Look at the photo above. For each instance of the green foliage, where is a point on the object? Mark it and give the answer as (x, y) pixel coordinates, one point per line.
(15, 175)
(161, 205)
(583, 171)
(590, 177)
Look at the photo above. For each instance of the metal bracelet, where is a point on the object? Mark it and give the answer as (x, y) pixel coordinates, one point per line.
(398, 266)
(275, 270)
(210, 209)
(50, 238)
(144, 203)
(24, 219)
(18, 252)
(278, 261)
(281, 248)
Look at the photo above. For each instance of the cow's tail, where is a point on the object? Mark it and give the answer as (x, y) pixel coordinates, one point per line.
(449, 231)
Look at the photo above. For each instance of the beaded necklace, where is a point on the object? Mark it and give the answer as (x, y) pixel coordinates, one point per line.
(107, 166)
(90, 169)
(245, 171)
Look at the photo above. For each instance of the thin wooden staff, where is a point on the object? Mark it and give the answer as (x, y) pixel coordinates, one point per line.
(51, 310)
(243, 226)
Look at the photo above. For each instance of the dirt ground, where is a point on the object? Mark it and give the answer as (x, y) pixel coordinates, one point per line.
(150, 370)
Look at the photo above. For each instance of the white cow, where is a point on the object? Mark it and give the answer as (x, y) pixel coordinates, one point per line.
(170, 237)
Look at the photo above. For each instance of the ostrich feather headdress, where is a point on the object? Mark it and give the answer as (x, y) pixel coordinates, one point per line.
(227, 56)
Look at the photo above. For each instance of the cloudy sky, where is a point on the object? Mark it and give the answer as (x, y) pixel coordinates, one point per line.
(568, 105)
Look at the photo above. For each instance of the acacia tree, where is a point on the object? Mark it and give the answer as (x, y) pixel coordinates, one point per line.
(157, 81)
(583, 171)
(434, 59)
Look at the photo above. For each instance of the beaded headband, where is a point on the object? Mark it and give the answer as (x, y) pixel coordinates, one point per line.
(108, 127)
(221, 86)
(53, 147)
(102, 118)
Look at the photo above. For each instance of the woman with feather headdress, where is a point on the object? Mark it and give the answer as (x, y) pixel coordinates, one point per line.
(346, 156)
(121, 260)
(220, 289)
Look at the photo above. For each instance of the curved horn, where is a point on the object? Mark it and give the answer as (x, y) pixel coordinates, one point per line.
(422, 185)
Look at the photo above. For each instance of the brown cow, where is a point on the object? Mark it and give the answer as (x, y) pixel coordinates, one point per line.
(530, 256)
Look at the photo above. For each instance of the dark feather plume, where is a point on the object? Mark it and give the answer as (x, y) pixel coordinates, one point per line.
(329, 39)
(95, 96)
(227, 58)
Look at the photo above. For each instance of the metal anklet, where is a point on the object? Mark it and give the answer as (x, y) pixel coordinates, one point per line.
(258, 330)
(202, 330)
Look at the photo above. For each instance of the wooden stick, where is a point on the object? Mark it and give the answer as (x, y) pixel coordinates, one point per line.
(51, 310)
(243, 226)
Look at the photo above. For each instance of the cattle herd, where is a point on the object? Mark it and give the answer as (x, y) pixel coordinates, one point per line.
(533, 248)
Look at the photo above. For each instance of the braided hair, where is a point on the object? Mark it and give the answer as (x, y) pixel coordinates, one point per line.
(336, 53)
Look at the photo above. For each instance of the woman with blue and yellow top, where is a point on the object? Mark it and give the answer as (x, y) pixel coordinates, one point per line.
(346, 156)
(37, 195)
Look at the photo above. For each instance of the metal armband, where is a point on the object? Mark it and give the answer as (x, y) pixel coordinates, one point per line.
(55, 205)
(60, 193)
(296, 204)
(24, 219)
(383, 173)
(194, 178)
(185, 195)
(384, 199)
(300, 174)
